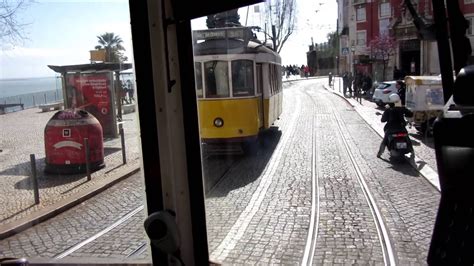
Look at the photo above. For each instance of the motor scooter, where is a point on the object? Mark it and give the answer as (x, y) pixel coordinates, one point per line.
(399, 144)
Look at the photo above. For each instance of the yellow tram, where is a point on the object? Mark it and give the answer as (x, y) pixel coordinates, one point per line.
(238, 83)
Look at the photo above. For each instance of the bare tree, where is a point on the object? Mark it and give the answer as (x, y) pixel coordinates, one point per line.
(382, 48)
(280, 17)
(11, 29)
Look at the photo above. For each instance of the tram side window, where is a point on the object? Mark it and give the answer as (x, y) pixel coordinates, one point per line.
(217, 79)
(242, 78)
(198, 77)
(272, 78)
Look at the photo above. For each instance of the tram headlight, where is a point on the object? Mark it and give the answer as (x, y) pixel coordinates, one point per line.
(218, 122)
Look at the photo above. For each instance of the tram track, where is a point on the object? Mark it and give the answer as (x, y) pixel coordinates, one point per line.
(383, 234)
(101, 233)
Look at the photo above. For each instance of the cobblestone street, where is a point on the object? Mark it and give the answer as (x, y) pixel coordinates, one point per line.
(297, 200)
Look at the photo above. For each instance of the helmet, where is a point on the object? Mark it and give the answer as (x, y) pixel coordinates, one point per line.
(393, 98)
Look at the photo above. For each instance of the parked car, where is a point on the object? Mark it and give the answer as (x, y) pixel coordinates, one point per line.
(382, 91)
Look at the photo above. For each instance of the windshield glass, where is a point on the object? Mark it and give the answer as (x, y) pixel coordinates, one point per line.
(296, 168)
(216, 75)
(242, 78)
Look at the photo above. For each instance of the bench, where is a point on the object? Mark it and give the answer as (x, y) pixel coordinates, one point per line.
(4, 106)
(55, 106)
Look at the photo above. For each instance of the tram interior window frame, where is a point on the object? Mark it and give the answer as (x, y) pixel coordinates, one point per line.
(242, 75)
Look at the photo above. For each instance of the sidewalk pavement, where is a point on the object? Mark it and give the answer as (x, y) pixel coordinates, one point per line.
(425, 160)
(22, 134)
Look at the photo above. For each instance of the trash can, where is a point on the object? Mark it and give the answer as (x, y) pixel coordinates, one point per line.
(64, 141)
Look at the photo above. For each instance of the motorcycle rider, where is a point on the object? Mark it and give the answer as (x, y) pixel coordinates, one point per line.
(395, 118)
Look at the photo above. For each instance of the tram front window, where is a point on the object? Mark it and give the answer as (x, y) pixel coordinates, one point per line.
(217, 79)
(242, 78)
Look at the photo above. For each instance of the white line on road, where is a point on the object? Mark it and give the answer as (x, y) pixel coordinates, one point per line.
(94, 237)
(239, 227)
(314, 220)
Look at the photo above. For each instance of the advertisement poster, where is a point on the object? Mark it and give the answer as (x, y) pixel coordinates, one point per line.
(93, 93)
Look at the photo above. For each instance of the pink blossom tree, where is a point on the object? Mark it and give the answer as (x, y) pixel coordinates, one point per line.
(382, 48)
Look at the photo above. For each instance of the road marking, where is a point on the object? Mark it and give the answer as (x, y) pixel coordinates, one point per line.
(314, 220)
(94, 237)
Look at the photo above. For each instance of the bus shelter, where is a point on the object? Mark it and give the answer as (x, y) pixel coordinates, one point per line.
(95, 88)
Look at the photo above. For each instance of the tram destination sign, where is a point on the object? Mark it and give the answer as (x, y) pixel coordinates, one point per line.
(243, 33)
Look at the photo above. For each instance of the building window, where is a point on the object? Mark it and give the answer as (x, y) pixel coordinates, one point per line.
(360, 13)
(361, 38)
(385, 10)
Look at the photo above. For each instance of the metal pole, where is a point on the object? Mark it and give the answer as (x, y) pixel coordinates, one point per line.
(122, 140)
(34, 102)
(444, 49)
(34, 178)
(88, 167)
(45, 101)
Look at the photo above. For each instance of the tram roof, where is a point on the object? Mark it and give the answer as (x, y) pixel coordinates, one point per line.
(236, 40)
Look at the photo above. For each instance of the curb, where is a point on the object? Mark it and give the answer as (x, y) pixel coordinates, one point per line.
(45, 213)
(300, 79)
(424, 170)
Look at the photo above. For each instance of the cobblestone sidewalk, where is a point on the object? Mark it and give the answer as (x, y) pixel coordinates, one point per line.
(22, 134)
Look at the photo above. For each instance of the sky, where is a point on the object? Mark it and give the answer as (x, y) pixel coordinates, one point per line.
(62, 33)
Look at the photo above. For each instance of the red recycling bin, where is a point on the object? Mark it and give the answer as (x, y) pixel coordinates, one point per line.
(64, 141)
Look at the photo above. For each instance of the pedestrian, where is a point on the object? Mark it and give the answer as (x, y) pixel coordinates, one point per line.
(401, 90)
(396, 73)
(367, 84)
(330, 79)
(306, 71)
(345, 82)
(350, 79)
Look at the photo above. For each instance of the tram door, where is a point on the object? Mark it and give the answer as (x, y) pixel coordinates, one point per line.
(261, 122)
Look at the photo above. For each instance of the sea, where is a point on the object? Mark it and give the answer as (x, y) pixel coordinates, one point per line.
(31, 92)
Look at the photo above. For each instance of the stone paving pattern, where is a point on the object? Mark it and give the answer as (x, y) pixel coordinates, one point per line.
(22, 134)
(347, 232)
(51, 238)
(275, 232)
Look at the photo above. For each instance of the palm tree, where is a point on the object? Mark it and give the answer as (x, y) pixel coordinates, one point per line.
(112, 44)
